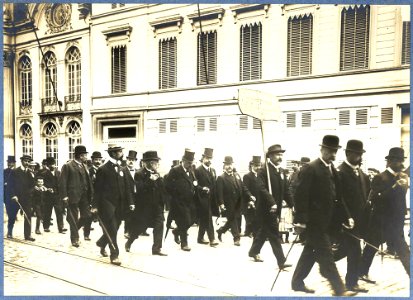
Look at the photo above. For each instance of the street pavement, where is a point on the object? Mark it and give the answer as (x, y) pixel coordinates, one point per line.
(52, 266)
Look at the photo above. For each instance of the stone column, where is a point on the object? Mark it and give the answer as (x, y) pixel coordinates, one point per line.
(8, 108)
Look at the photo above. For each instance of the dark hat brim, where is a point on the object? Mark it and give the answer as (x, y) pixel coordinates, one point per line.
(276, 151)
(396, 157)
(331, 147)
(355, 150)
(114, 149)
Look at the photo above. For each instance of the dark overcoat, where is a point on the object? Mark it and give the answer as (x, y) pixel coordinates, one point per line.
(70, 182)
(7, 191)
(21, 184)
(207, 201)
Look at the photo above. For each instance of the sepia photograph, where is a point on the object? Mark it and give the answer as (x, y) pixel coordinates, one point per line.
(206, 149)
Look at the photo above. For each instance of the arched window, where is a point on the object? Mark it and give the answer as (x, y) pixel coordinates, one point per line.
(26, 136)
(75, 137)
(50, 77)
(25, 78)
(73, 69)
(50, 134)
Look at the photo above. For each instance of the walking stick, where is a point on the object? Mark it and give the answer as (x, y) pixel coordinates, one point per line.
(24, 213)
(72, 217)
(105, 231)
(367, 243)
(280, 269)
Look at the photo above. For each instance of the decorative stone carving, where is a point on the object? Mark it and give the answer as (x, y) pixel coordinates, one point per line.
(58, 17)
(8, 58)
(84, 9)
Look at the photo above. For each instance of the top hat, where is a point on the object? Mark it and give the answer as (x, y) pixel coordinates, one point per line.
(256, 160)
(355, 146)
(132, 154)
(11, 159)
(188, 156)
(96, 154)
(50, 160)
(175, 162)
(114, 147)
(25, 156)
(208, 152)
(275, 149)
(331, 141)
(396, 153)
(80, 149)
(228, 160)
(150, 155)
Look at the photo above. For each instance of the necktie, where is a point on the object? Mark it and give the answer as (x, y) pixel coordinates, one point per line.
(356, 171)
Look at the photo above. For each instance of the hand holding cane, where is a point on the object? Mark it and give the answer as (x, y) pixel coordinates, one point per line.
(21, 207)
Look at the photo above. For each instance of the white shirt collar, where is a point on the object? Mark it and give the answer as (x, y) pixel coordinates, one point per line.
(277, 167)
(206, 168)
(78, 162)
(326, 164)
(150, 171)
(114, 161)
(391, 171)
(351, 165)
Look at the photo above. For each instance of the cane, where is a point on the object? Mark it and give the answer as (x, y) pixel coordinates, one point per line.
(24, 213)
(367, 243)
(105, 231)
(72, 217)
(280, 269)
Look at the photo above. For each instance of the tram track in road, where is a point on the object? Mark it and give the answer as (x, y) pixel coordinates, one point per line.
(14, 240)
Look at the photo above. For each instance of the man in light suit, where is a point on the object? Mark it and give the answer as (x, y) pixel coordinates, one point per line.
(76, 190)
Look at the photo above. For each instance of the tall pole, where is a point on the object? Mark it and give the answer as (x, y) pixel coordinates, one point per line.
(265, 157)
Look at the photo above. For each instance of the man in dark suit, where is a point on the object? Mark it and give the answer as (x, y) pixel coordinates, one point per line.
(51, 181)
(355, 186)
(75, 190)
(112, 201)
(206, 176)
(388, 198)
(251, 182)
(149, 203)
(316, 193)
(130, 172)
(11, 206)
(182, 185)
(21, 183)
(230, 190)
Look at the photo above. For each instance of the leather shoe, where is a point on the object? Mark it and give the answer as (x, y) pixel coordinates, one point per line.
(186, 248)
(62, 232)
(103, 252)
(203, 242)
(176, 236)
(284, 265)
(31, 239)
(38, 231)
(257, 258)
(237, 243)
(144, 234)
(160, 253)
(46, 230)
(304, 289)
(357, 288)
(87, 238)
(9, 236)
(366, 278)
(345, 294)
(219, 235)
(213, 243)
(115, 261)
(128, 244)
(75, 244)
(64, 229)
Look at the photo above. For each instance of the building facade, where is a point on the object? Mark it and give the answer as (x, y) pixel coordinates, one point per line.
(166, 77)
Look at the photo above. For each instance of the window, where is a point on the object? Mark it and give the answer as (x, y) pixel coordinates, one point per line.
(116, 5)
(344, 117)
(354, 49)
(25, 72)
(251, 52)
(387, 115)
(50, 134)
(118, 69)
(75, 137)
(306, 119)
(291, 120)
(50, 77)
(200, 124)
(406, 43)
(26, 136)
(300, 44)
(73, 68)
(167, 63)
(361, 116)
(173, 126)
(243, 122)
(256, 123)
(163, 126)
(213, 124)
(207, 58)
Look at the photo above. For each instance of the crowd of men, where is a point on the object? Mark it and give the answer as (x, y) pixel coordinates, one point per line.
(334, 209)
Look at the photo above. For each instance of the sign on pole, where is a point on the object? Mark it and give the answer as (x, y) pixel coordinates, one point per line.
(260, 105)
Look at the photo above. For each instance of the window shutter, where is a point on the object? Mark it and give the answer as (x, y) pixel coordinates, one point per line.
(361, 116)
(243, 122)
(256, 123)
(251, 52)
(344, 118)
(167, 63)
(354, 49)
(207, 48)
(200, 124)
(173, 126)
(387, 115)
(213, 124)
(300, 44)
(306, 119)
(118, 69)
(162, 126)
(406, 43)
(291, 119)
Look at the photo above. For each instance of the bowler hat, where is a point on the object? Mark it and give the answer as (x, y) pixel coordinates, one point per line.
(208, 152)
(256, 160)
(275, 148)
(80, 149)
(175, 162)
(50, 160)
(150, 155)
(331, 141)
(355, 146)
(96, 154)
(304, 160)
(373, 169)
(11, 159)
(132, 154)
(188, 156)
(396, 153)
(25, 156)
(228, 160)
(44, 161)
(114, 147)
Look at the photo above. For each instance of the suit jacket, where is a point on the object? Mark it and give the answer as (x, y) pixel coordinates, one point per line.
(182, 190)
(70, 182)
(279, 186)
(207, 201)
(52, 181)
(231, 193)
(92, 174)
(21, 184)
(7, 180)
(131, 182)
(112, 192)
(316, 194)
(252, 183)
